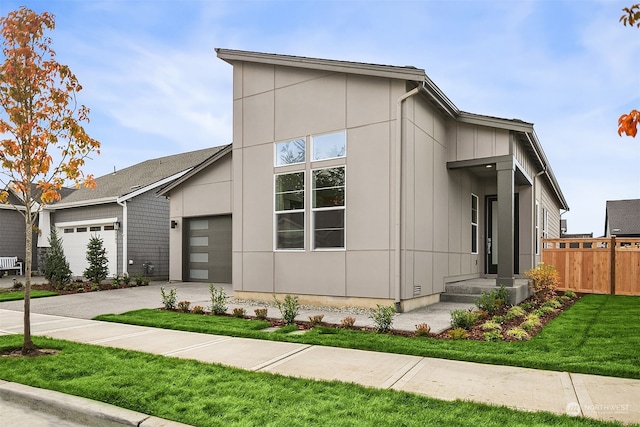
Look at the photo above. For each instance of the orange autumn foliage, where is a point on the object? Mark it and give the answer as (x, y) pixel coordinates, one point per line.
(628, 123)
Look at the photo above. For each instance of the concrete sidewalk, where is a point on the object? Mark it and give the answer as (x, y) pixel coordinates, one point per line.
(593, 396)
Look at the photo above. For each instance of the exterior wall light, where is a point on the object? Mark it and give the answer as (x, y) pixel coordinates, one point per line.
(174, 224)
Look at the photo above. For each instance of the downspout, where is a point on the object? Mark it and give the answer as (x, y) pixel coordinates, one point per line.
(124, 236)
(398, 196)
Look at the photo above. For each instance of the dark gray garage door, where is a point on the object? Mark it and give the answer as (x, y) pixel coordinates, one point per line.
(208, 254)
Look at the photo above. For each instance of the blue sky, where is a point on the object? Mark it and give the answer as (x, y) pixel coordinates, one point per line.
(155, 86)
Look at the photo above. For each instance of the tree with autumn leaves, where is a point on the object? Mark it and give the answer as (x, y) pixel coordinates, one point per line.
(43, 145)
(628, 123)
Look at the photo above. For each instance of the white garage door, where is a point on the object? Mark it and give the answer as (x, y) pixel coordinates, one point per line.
(75, 238)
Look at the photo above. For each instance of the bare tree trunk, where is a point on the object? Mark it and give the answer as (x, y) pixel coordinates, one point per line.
(28, 346)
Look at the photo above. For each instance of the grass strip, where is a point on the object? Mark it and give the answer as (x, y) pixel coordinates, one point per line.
(595, 336)
(203, 394)
(18, 295)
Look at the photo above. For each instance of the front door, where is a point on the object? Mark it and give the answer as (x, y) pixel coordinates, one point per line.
(491, 233)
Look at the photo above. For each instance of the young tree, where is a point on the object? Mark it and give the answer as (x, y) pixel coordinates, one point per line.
(628, 123)
(56, 266)
(98, 262)
(43, 144)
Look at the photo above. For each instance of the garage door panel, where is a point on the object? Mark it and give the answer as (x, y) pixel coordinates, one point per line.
(209, 249)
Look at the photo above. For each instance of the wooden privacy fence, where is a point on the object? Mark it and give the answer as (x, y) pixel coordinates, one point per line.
(600, 266)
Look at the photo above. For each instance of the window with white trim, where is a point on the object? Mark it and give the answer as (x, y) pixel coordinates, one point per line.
(474, 224)
(290, 152)
(537, 223)
(289, 211)
(328, 208)
(545, 223)
(329, 146)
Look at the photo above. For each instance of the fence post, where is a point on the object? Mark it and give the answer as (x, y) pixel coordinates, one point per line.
(613, 265)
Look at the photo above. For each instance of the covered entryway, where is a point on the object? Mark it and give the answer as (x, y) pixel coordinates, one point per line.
(75, 237)
(491, 206)
(207, 241)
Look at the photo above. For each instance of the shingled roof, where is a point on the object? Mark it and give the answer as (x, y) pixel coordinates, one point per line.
(120, 183)
(622, 218)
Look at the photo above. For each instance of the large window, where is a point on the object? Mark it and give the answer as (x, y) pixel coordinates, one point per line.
(329, 146)
(474, 224)
(290, 152)
(289, 208)
(328, 208)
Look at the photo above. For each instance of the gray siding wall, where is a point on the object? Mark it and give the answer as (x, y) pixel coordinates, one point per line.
(148, 234)
(108, 210)
(12, 239)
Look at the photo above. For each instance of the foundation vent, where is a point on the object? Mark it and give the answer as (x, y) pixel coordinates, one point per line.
(417, 290)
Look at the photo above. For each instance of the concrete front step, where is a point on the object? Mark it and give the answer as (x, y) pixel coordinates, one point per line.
(462, 298)
(469, 291)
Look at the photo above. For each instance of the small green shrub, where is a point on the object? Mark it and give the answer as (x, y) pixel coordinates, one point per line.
(95, 287)
(56, 267)
(518, 333)
(498, 319)
(348, 322)
(563, 298)
(198, 309)
(184, 306)
(570, 294)
(138, 279)
(115, 283)
(490, 325)
(514, 312)
(503, 294)
(492, 335)
(544, 310)
(423, 330)
(492, 301)
(316, 320)
(169, 299)
(553, 303)
(218, 299)
(530, 322)
(382, 317)
(17, 285)
(458, 334)
(261, 313)
(288, 309)
(544, 280)
(526, 305)
(464, 319)
(239, 312)
(126, 279)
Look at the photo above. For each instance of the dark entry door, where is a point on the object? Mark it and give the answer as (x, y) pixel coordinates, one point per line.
(208, 250)
(491, 244)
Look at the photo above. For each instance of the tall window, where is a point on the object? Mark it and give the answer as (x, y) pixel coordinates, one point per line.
(328, 206)
(289, 210)
(545, 223)
(474, 224)
(537, 222)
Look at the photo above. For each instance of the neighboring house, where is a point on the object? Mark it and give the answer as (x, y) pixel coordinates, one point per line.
(353, 183)
(125, 212)
(565, 235)
(622, 218)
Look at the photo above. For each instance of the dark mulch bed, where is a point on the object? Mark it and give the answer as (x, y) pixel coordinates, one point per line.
(83, 287)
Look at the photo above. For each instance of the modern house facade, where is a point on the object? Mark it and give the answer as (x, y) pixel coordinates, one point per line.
(360, 184)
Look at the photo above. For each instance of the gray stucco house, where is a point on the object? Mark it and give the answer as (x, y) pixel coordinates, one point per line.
(125, 212)
(357, 184)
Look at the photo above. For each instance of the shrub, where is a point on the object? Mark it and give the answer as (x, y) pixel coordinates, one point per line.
(348, 322)
(492, 335)
(17, 285)
(168, 299)
(493, 300)
(464, 319)
(382, 317)
(458, 334)
(544, 280)
(518, 333)
(530, 322)
(316, 320)
(503, 295)
(553, 303)
(288, 309)
(97, 258)
(261, 313)
(218, 299)
(138, 279)
(498, 319)
(239, 312)
(198, 309)
(490, 325)
(544, 310)
(95, 287)
(423, 330)
(184, 306)
(563, 298)
(526, 305)
(56, 267)
(570, 294)
(126, 279)
(515, 311)
(115, 284)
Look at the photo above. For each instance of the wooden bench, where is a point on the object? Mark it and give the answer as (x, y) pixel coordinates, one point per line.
(8, 263)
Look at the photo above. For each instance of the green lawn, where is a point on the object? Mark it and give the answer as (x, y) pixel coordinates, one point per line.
(211, 395)
(18, 295)
(599, 334)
